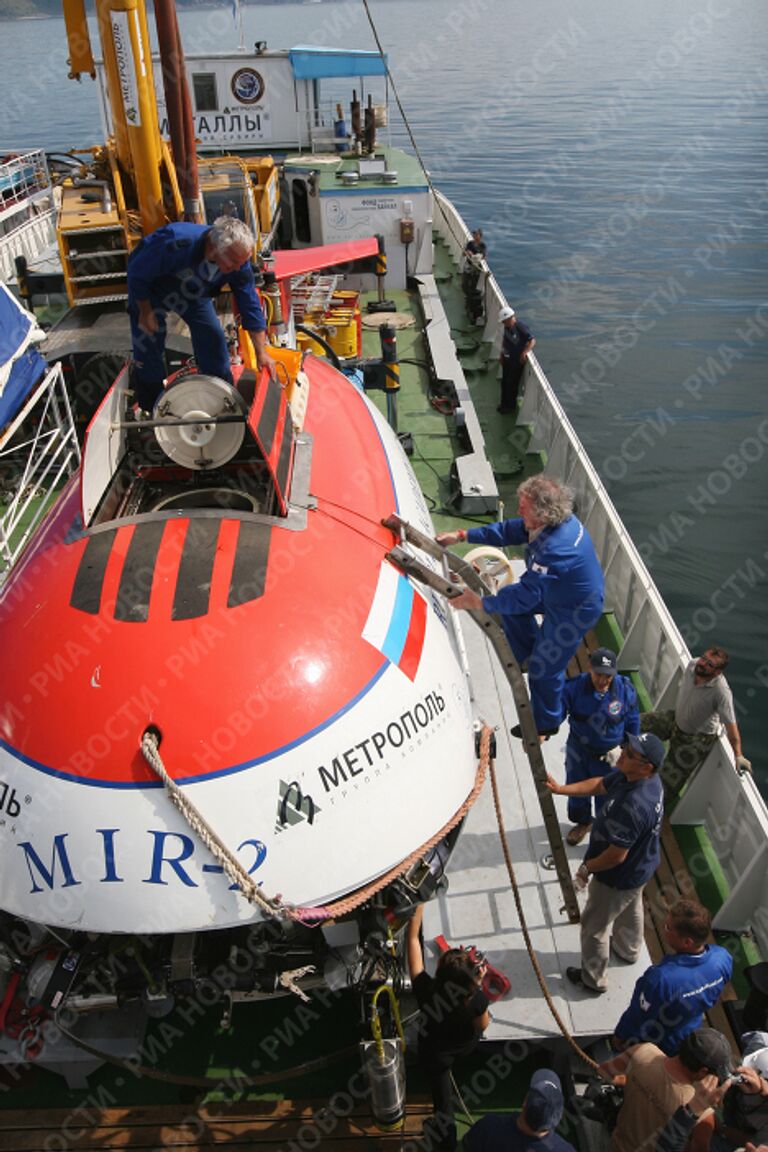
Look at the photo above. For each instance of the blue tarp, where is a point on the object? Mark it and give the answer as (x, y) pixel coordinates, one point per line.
(19, 370)
(25, 373)
(310, 63)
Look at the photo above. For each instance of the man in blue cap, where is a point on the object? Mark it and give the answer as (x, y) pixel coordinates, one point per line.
(530, 1130)
(602, 710)
(622, 856)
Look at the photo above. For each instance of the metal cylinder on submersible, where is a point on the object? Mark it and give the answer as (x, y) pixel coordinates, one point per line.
(384, 1065)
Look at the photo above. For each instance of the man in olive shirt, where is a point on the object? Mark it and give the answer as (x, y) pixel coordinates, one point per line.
(704, 701)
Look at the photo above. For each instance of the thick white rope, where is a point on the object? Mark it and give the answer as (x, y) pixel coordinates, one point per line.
(233, 868)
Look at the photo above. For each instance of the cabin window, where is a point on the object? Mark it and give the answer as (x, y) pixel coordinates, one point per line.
(204, 84)
(300, 198)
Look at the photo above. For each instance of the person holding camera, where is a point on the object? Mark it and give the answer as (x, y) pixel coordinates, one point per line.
(454, 1014)
(666, 1097)
(744, 1114)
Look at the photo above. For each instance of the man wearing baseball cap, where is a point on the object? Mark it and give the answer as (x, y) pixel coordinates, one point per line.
(602, 710)
(517, 341)
(670, 1095)
(530, 1130)
(622, 855)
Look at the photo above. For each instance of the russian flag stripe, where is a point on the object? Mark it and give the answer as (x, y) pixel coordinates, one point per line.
(397, 633)
(396, 623)
(409, 661)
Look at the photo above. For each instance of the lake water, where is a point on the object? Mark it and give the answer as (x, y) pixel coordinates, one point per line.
(616, 155)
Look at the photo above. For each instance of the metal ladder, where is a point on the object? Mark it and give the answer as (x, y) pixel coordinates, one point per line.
(403, 559)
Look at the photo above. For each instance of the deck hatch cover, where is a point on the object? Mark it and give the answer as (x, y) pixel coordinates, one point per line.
(271, 426)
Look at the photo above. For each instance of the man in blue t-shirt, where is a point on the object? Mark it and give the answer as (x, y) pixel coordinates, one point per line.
(179, 268)
(671, 997)
(622, 855)
(602, 708)
(532, 1129)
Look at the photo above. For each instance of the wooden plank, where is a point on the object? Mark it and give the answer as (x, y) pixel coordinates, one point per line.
(279, 1140)
(212, 1112)
(580, 661)
(187, 1129)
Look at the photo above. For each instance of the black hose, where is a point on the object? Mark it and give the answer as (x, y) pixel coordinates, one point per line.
(322, 342)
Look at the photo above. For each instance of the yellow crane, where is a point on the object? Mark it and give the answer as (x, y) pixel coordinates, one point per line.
(129, 186)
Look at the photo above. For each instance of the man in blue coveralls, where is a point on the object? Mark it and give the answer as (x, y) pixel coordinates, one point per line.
(622, 856)
(562, 581)
(602, 708)
(179, 268)
(671, 997)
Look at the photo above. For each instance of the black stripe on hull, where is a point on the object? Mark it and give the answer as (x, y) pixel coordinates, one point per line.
(195, 572)
(138, 572)
(89, 581)
(193, 587)
(249, 573)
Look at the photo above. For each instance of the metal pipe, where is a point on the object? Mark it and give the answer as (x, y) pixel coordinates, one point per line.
(193, 206)
(106, 191)
(177, 100)
(180, 421)
(169, 63)
(91, 1003)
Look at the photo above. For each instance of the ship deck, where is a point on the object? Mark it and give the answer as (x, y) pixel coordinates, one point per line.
(479, 907)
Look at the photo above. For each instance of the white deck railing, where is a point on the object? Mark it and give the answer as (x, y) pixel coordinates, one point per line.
(727, 804)
(38, 450)
(22, 178)
(34, 238)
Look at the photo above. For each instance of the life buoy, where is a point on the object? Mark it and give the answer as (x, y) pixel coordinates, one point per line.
(494, 568)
